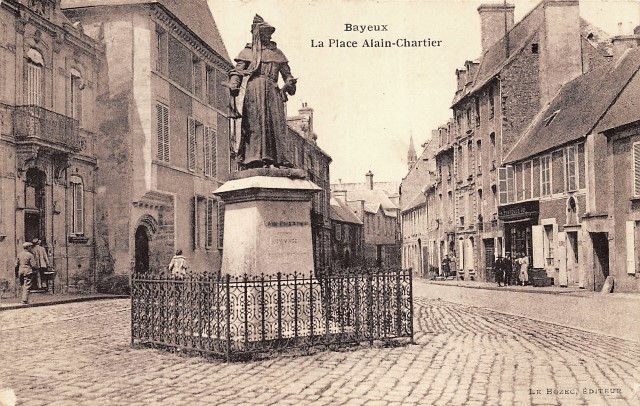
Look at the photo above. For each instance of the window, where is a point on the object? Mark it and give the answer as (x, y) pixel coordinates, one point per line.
(477, 110)
(77, 205)
(199, 218)
(534, 48)
(557, 171)
(191, 144)
(469, 159)
(210, 78)
(162, 113)
(526, 180)
(636, 168)
(467, 115)
(197, 77)
(518, 182)
(506, 184)
(491, 103)
(479, 156)
(450, 201)
(571, 169)
(545, 175)
(75, 101)
(161, 50)
(35, 62)
(492, 141)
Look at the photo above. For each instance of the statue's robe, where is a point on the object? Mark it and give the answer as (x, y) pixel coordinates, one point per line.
(264, 123)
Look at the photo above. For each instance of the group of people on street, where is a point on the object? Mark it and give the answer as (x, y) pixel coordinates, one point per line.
(32, 263)
(510, 271)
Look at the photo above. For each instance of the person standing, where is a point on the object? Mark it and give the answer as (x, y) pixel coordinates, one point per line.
(42, 261)
(178, 265)
(497, 269)
(524, 269)
(446, 266)
(508, 269)
(26, 266)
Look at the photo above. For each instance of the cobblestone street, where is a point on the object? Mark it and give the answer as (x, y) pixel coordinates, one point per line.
(79, 354)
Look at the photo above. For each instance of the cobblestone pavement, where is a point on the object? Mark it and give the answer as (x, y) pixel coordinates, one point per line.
(79, 354)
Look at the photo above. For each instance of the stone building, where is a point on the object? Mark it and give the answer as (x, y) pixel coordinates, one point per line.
(380, 216)
(521, 68)
(418, 224)
(567, 188)
(48, 87)
(306, 154)
(164, 112)
(347, 236)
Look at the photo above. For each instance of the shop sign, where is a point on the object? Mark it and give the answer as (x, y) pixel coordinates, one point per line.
(519, 211)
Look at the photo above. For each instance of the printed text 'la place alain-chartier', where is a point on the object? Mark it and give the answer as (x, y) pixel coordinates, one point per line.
(398, 42)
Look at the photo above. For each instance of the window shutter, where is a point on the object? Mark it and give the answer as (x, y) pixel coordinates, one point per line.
(631, 243)
(636, 168)
(209, 222)
(163, 132)
(194, 222)
(207, 157)
(191, 141)
(214, 152)
(537, 240)
(502, 176)
(220, 224)
(79, 203)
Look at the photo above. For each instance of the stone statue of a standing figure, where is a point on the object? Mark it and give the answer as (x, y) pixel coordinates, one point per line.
(264, 124)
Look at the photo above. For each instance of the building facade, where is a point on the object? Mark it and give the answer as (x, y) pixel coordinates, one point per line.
(567, 188)
(307, 155)
(164, 113)
(521, 68)
(419, 228)
(48, 86)
(347, 237)
(380, 215)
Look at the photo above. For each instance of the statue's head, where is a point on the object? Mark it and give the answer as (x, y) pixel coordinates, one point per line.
(264, 28)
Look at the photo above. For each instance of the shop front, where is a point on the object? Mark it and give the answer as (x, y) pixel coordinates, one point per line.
(518, 220)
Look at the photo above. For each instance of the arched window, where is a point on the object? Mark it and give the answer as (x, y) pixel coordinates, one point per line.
(33, 91)
(75, 95)
(77, 205)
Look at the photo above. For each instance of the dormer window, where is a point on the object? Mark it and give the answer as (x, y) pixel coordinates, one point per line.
(534, 48)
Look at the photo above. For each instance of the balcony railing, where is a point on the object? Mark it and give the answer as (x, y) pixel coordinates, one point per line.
(34, 123)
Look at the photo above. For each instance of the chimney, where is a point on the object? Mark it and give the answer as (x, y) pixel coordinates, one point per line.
(560, 50)
(627, 38)
(495, 21)
(306, 113)
(369, 176)
(623, 42)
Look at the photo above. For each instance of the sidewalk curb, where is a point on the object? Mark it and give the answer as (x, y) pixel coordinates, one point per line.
(505, 288)
(61, 301)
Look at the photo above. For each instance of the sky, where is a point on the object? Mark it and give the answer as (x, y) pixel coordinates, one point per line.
(369, 101)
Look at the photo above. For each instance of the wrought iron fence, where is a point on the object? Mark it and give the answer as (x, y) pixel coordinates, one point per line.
(234, 317)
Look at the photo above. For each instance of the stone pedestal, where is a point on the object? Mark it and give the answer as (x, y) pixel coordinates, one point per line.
(267, 222)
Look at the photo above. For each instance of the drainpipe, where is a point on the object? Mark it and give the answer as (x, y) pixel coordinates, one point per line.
(52, 240)
(66, 222)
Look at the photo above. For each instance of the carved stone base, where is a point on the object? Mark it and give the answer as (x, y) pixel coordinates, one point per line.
(267, 225)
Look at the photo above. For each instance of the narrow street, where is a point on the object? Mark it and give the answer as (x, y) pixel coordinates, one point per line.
(466, 353)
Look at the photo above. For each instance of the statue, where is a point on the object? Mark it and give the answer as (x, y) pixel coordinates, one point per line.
(263, 117)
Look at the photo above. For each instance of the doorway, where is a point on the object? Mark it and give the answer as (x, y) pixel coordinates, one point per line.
(573, 265)
(142, 250)
(600, 259)
(34, 202)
